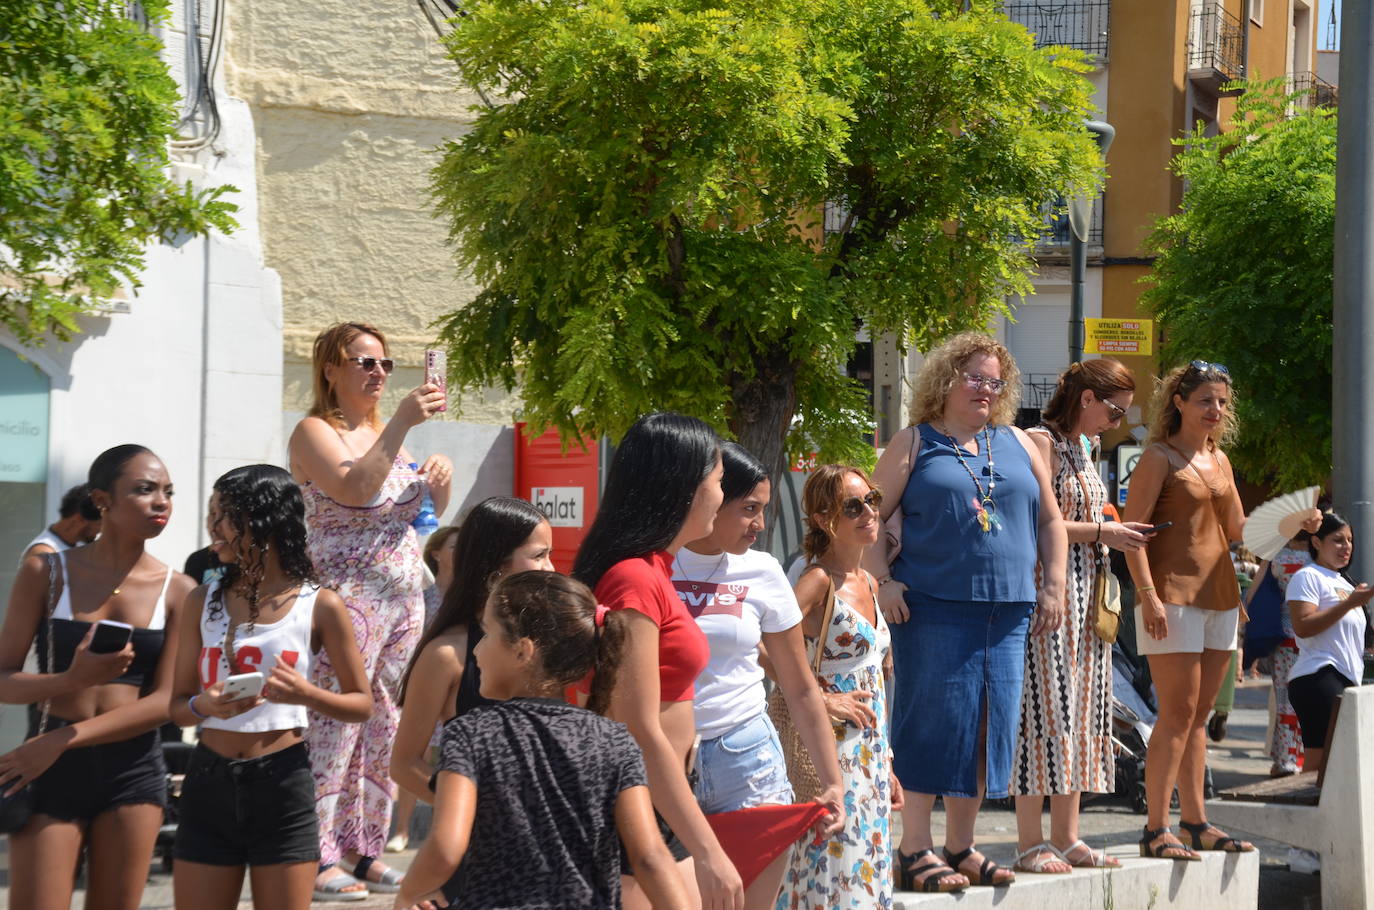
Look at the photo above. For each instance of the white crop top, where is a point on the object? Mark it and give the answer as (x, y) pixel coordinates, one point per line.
(258, 650)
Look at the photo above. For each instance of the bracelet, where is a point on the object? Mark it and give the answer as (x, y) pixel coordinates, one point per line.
(1142, 589)
(1099, 533)
(191, 706)
(885, 579)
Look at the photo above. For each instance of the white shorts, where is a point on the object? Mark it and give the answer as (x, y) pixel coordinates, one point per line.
(1191, 631)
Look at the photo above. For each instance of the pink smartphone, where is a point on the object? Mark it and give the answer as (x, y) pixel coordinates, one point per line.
(436, 372)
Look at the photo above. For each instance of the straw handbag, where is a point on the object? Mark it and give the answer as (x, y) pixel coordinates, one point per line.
(806, 785)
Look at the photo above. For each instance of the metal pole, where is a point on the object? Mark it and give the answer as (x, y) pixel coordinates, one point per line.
(1080, 225)
(1078, 269)
(1352, 394)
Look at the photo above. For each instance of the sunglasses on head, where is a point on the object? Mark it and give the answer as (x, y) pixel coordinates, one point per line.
(853, 507)
(371, 363)
(1204, 367)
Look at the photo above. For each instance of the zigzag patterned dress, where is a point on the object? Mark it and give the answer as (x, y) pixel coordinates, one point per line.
(1064, 743)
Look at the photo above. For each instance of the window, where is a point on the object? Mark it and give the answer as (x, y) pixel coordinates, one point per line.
(1257, 12)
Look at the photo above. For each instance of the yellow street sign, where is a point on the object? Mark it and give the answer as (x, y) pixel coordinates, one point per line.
(1119, 336)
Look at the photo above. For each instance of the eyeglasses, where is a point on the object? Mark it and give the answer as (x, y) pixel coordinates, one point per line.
(853, 507)
(976, 382)
(1203, 366)
(371, 363)
(1114, 410)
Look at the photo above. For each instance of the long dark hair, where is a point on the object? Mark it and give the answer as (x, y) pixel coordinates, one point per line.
(743, 471)
(264, 506)
(649, 489)
(1331, 523)
(558, 614)
(486, 539)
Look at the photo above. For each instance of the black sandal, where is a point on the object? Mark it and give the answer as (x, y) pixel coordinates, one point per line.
(987, 872)
(1150, 849)
(1223, 842)
(930, 874)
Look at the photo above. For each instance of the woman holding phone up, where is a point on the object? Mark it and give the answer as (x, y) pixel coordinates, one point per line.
(242, 674)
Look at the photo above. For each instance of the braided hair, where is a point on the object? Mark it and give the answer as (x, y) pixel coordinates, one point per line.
(263, 504)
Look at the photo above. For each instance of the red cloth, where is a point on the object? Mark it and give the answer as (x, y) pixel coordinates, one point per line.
(644, 584)
(753, 838)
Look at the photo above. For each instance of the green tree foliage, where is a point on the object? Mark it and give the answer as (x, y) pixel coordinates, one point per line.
(86, 111)
(642, 201)
(1244, 277)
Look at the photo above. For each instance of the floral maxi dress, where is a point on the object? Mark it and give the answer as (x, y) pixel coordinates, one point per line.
(370, 555)
(853, 870)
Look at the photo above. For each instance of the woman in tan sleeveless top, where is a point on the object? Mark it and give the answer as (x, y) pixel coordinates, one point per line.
(1187, 599)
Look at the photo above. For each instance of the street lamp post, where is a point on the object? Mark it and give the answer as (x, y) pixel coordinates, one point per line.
(1080, 224)
(1352, 393)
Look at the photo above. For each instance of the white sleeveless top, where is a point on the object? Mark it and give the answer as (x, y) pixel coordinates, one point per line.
(258, 650)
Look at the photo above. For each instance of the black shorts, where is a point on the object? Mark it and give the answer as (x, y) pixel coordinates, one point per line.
(89, 780)
(248, 812)
(1312, 696)
(675, 846)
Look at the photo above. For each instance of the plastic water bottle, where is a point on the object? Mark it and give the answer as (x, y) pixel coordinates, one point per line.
(426, 522)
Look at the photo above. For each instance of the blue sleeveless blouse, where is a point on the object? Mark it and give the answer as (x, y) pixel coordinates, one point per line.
(945, 555)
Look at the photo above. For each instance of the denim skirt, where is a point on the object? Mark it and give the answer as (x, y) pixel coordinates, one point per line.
(952, 662)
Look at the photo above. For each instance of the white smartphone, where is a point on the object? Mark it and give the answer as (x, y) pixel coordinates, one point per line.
(436, 372)
(110, 636)
(244, 685)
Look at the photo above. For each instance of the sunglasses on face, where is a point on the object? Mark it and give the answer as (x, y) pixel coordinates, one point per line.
(371, 363)
(977, 382)
(1114, 410)
(1204, 367)
(853, 507)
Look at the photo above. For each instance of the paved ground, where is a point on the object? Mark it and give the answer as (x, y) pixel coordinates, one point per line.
(1240, 758)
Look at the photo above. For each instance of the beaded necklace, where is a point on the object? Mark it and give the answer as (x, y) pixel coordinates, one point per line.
(984, 510)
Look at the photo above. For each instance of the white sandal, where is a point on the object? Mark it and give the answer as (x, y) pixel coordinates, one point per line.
(1097, 859)
(1041, 855)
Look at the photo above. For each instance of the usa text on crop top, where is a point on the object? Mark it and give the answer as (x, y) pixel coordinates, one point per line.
(644, 584)
(256, 650)
(67, 633)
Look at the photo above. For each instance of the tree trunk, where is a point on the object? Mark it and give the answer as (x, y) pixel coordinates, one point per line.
(763, 407)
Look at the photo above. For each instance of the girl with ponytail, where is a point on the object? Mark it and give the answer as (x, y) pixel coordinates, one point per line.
(534, 796)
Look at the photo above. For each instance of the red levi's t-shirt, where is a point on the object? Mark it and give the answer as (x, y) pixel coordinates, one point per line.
(644, 584)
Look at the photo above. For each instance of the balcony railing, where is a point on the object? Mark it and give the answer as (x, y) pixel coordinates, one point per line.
(1216, 47)
(1312, 91)
(1080, 24)
(1037, 389)
(1058, 233)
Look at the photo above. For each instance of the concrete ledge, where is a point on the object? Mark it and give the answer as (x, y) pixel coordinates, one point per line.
(1222, 881)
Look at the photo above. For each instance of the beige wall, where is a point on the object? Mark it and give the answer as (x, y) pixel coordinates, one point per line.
(351, 98)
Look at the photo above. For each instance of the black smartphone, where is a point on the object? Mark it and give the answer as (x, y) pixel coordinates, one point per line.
(1159, 527)
(111, 636)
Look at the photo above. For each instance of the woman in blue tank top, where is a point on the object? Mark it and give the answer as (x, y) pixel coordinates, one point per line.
(978, 513)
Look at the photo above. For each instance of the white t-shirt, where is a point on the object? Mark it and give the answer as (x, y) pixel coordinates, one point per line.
(1342, 645)
(735, 599)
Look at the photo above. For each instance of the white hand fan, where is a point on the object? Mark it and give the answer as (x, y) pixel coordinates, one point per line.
(1273, 524)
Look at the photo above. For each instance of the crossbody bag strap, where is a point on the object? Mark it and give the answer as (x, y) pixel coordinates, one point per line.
(47, 618)
(825, 622)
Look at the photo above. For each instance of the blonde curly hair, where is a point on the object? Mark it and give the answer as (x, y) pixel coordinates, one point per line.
(944, 367)
(1184, 381)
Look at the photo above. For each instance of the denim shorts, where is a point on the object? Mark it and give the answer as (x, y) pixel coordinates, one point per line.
(742, 769)
(248, 812)
(89, 780)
